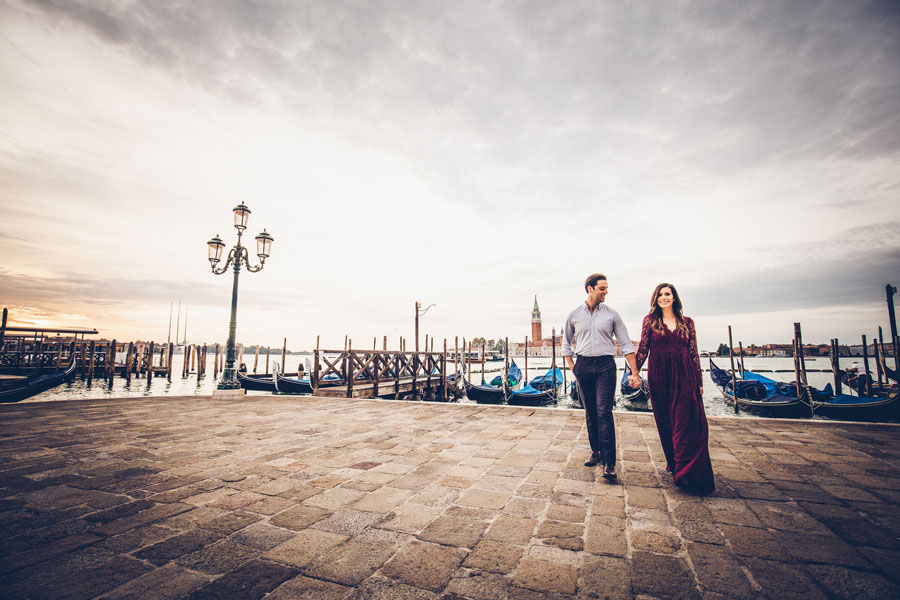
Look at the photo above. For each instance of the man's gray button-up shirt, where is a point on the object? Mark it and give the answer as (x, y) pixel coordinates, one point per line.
(588, 334)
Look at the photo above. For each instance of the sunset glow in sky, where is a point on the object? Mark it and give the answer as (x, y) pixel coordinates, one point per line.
(466, 154)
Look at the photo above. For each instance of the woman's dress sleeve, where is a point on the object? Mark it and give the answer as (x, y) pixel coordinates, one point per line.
(644, 347)
(695, 354)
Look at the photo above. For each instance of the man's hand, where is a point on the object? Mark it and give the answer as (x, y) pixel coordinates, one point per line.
(634, 381)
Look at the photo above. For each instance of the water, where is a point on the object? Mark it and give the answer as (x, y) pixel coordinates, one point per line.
(780, 369)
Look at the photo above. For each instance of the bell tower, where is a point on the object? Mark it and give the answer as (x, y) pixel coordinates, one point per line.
(536, 335)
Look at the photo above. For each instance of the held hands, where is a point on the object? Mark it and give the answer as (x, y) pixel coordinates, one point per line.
(634, 381)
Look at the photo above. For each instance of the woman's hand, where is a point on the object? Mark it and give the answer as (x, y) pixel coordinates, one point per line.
(701, 391)
(634, 381)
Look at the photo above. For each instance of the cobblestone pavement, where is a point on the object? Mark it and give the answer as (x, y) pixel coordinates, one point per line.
(282, 497)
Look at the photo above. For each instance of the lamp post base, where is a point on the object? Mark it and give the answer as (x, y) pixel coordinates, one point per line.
(229, 394)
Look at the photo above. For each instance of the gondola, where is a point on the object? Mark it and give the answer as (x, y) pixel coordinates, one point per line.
(541, 391)
(16, 390)
(259, 382)
(545, 382)
(858, 408)
(857, 382)
(292, 385)
(455, 388)
(484, 394)
(575, 395)
(634, 398)
(494, 392)
(760, 394)
(848, 407)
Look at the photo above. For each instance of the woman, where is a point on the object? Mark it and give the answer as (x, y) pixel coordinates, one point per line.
(676, 389)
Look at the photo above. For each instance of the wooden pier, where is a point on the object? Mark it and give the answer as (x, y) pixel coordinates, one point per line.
(380, 373)
(346, 373)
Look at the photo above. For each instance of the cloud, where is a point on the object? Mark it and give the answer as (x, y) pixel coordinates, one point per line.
(750, 82)
(853, 268)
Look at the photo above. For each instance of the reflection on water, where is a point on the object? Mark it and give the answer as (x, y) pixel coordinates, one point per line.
(780, 369)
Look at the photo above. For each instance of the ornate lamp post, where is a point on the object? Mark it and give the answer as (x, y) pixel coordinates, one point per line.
(237, 256)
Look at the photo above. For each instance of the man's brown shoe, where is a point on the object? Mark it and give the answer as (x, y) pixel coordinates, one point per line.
(593, 461)
(609, 472)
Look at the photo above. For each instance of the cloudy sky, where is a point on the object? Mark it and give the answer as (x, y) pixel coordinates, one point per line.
(467, 154)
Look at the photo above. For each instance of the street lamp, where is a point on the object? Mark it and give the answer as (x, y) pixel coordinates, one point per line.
(236, 256)
(420, 312)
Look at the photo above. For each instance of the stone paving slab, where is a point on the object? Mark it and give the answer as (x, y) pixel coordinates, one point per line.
(291, 497)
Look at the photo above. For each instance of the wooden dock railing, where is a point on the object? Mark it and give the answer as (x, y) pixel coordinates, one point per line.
(370, 373)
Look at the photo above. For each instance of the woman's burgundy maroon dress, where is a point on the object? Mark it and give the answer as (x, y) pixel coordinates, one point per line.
(675, 378)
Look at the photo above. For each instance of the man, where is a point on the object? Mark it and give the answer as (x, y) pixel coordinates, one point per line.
(590, 328)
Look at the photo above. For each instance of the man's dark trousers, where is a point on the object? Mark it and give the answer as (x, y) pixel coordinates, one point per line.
(596, 378)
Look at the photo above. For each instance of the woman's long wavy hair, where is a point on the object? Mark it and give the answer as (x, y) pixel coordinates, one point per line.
(656, 311)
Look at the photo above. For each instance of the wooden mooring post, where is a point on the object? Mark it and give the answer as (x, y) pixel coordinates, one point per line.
(836, 366)
(83, 357)
(169, 362)
(868, 380)
(314, 376)
(348, 368)
(889, 291)
(90, 374)
(482, 362)
(798, 335)
(415, 371)
(397, 362)
(128, 357)
(733, 375)
(444, 371)
(876, 355)
(526, 358)
(111, 362)
(552, 363)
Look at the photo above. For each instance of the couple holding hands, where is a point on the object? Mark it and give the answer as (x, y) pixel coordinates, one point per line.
(676, 384)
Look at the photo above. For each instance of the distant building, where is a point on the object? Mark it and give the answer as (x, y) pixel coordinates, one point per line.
(773, 350)
(857, 350)
(536, 322)
(538, 345)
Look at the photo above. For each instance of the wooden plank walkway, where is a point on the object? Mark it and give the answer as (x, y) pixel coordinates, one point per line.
(308, 497)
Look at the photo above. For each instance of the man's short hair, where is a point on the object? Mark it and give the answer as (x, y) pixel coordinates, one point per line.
(592, 280)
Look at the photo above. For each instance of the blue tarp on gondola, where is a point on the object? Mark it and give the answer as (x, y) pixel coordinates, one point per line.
(545, 381)
(514, 377)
